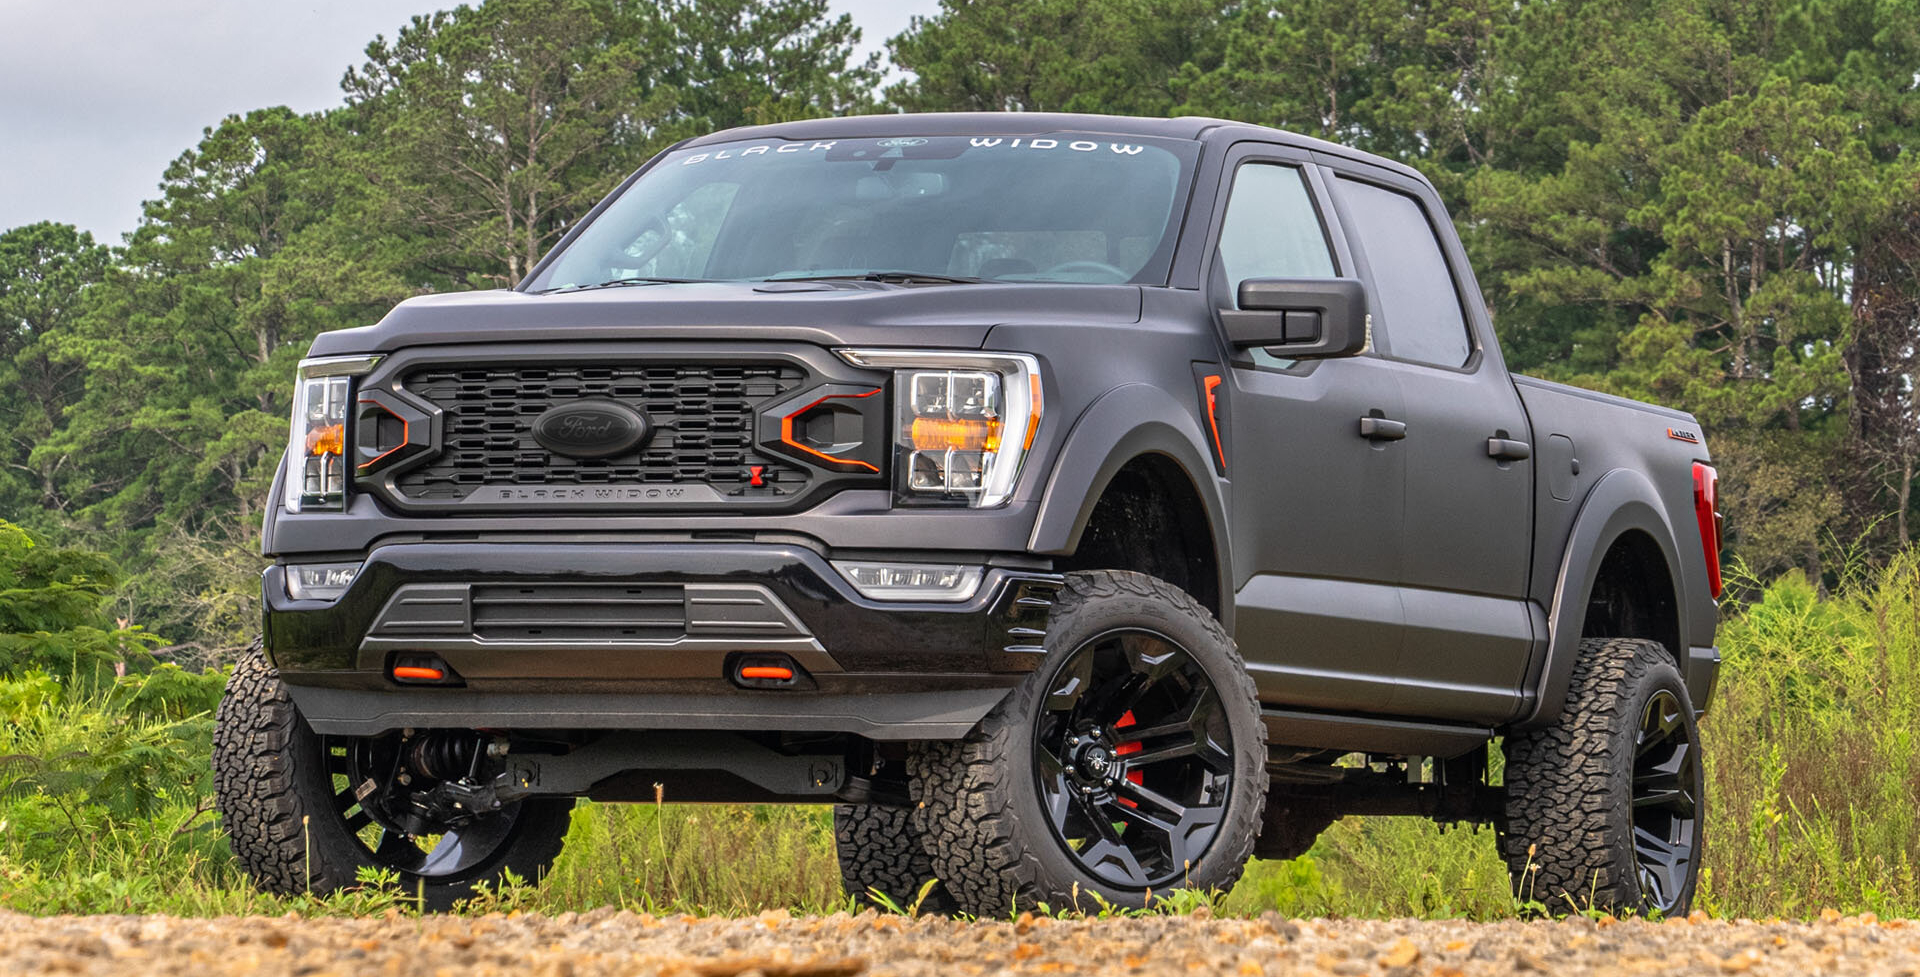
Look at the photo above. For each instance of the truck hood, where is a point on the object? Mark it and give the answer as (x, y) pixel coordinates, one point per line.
(824, 313)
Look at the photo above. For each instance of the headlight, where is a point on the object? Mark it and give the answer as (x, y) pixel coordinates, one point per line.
(316, 475)
(320, 581)
(963, 422)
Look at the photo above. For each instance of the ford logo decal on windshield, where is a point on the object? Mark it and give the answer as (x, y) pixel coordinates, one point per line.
(590, 429)
(901, 143)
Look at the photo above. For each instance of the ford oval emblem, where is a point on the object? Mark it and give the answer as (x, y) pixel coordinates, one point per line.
(590, 429)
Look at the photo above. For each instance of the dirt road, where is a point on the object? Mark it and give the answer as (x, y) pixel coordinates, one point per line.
(776, 945)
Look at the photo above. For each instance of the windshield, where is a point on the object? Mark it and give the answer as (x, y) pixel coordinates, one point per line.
(1063, 207)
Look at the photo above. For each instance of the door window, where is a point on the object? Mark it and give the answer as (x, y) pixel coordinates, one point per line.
(1418, 307)
(1271, 230)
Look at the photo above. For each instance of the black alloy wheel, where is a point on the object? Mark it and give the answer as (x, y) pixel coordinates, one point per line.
(1133, 758)
(307, 813)
(1130, 764)
(355, 764)
(1667, 780)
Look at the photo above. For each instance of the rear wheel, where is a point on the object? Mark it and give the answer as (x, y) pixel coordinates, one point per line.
(1604, 807)
(880, 850)
(291, 801)
(1131, 762)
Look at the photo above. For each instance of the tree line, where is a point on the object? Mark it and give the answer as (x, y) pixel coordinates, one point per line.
(1713, 204)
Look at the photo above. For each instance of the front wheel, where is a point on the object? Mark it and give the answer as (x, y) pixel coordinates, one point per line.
(1604, 807)
(291, 801)
(1132, 762)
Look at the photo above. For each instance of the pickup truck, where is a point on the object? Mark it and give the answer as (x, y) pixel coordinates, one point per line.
(1082, 505)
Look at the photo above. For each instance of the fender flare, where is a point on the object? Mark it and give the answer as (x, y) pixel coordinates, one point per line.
(1622, 501)
(1128, 422)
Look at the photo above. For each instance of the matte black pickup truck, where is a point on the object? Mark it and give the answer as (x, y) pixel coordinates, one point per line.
(1081, 504)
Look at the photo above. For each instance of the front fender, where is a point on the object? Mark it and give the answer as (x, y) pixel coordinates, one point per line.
(1125, 423)
(1622, 501)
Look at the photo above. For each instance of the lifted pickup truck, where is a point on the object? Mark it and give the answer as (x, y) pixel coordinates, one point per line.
(1082, 504)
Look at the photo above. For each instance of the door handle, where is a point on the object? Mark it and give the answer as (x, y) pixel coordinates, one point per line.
(1382, 429)
(1507, 449)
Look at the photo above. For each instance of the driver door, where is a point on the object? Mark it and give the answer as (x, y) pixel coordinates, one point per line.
(1316, 508)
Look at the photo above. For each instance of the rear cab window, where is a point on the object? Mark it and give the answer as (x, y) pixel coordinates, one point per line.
(1417, 305)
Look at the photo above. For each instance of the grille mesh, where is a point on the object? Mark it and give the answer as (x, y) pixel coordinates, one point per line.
(703, 419)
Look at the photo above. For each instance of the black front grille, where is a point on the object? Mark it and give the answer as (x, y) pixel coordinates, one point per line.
(579, 612)
(703, 419)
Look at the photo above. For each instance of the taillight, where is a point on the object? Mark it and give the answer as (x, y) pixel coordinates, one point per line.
(1706, 512)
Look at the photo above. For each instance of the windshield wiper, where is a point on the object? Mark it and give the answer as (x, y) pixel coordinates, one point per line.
(885, 276)
(638, 280)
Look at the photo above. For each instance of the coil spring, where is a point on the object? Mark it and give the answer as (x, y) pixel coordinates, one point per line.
(443, 756)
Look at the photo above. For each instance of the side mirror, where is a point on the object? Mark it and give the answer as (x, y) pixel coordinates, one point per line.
(1299, 318)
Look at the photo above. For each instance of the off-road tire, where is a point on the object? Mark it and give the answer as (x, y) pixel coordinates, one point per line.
(880, 850)
(980, 812)
(276, 801)
(1567, 831)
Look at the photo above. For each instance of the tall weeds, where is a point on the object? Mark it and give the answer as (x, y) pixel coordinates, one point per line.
(1814, 782)
(1814, 801)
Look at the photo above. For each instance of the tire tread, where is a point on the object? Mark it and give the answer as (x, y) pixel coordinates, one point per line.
(1566, 833)
(968, 809)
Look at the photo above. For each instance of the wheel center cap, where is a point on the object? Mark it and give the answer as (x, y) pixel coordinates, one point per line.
(1096, 761)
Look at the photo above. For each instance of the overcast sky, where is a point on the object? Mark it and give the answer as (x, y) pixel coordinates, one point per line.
(98, 96)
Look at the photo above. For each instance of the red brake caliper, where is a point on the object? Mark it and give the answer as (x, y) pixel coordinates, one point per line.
(1122, 749)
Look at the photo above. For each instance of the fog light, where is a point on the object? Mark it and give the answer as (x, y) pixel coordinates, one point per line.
(911, 581)
(320, 581)
(416, 669)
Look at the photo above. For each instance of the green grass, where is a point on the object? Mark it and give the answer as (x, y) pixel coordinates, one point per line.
(1814, 803)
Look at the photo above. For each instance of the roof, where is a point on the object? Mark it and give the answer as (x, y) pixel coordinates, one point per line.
(1030, 123)
(967, 124)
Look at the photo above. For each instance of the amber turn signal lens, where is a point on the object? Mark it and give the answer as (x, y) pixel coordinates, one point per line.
(329, 440)
(958, 434)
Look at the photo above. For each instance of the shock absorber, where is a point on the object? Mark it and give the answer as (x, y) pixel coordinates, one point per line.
(444, 755)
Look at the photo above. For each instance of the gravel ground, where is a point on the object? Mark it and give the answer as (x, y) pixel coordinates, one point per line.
(777, 945)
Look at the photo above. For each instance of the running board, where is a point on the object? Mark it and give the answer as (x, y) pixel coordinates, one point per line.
(1370, 734)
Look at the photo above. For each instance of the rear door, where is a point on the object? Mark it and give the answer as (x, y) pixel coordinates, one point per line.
(1467, 536)
(1316, 508)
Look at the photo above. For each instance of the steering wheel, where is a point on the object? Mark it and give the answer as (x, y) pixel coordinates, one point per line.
(657, 228)
(1101, 267)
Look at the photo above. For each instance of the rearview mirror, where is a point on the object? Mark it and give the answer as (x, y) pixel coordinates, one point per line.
(1299, 318)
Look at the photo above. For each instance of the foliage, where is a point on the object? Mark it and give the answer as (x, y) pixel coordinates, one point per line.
(1117, 56)
(489, 127)
(755, 62)
(50, 610)
(114, 752)
(44, 268)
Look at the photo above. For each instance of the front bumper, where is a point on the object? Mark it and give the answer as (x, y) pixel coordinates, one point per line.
(879, 669)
